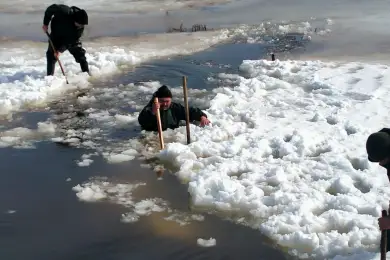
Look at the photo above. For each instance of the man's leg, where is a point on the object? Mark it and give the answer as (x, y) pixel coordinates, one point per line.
(388, 241)
(50, 61)
(78, 53)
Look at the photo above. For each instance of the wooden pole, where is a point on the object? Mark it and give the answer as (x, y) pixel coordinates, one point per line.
(160, 134)
(384, 238)
(186, 109)
(58, 59)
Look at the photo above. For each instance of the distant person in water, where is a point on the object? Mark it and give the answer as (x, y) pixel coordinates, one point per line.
(171, 113)
(378, 151)
(67, 27)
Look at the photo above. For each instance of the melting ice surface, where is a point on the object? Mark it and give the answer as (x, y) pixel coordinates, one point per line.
(285, 154)
(285, 151)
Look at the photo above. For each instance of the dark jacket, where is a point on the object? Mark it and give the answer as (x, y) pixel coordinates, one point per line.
(63, 29)
(169, 118)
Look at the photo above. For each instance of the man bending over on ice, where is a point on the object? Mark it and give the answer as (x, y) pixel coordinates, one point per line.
(378, 150)
(171, 113)
(67, 27)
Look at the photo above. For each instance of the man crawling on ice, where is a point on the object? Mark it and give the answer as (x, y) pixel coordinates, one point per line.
(171, 113)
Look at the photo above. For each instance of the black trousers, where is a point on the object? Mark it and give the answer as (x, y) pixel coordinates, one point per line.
(76, 49)
(388, 241)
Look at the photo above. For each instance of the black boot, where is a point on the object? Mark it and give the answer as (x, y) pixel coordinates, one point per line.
(50, 67)
(84, 67)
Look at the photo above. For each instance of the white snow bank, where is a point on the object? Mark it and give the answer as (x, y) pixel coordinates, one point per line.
(286, 151)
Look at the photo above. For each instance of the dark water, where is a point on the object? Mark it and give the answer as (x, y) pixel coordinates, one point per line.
(50, 223)
(224, 58)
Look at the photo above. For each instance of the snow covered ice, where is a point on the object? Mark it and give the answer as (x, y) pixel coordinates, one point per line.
(285, 154)
(286, 151)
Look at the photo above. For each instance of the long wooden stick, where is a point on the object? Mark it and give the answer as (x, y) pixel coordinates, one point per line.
(384, 239)
(58, 59)
(160, 133)
(186, 109)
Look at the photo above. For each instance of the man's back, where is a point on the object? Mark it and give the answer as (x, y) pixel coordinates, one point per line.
(63, 29)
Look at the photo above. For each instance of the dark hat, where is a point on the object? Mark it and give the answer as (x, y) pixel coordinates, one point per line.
(378, 146)
(163, 92)
(81, 17)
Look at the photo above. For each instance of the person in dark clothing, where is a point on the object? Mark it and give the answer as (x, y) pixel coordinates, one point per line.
(378, 151)
(171, 113)
(67, 27)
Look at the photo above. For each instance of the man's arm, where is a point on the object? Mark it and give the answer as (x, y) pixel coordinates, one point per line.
(80, 32)
(147, 119)
(194, 112)
(54, 9)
